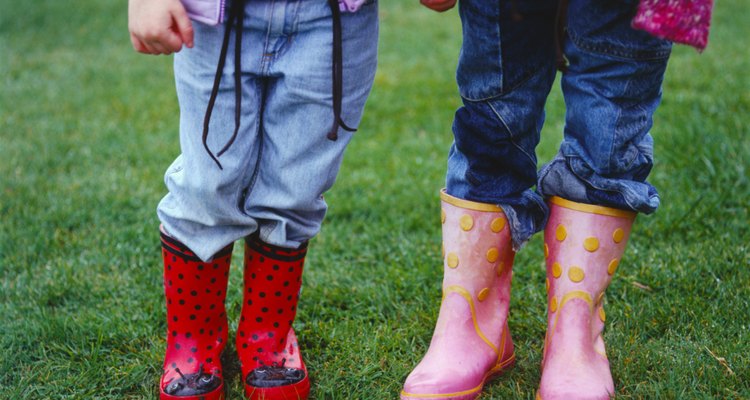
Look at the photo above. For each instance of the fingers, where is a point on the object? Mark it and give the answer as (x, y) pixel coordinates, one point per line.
(438, 5)
(138, 45)
(183, 26)
(168, 42)
(164, 42)
(159, 48)
(159, 27)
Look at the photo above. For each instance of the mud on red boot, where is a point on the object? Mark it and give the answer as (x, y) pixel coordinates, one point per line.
(196, 322)
(272, 366)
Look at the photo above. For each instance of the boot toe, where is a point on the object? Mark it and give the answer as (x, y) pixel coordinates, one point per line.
(442, 384)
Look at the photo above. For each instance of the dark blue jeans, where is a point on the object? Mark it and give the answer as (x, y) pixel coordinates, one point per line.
(612, 87)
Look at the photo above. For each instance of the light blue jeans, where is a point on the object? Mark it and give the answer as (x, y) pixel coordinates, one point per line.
(612, 88)
(275, 173)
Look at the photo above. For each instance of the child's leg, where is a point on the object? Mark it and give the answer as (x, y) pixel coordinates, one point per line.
(612, 88)
(274, 174)
(505, 72)
(201, 216)
(203, 208)
(296, 165)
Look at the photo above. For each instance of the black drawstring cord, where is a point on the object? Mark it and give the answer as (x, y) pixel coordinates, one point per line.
(337, 71)
(237, 76)
(234, 18)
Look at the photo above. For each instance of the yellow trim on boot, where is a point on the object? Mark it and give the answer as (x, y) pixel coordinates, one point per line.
(592, 209)
(500, 365)
(468, 204)
(575, 294)
(466, 295)
(490, 374)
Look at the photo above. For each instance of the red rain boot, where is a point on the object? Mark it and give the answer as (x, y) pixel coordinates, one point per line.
(272, 366)
(196, 322)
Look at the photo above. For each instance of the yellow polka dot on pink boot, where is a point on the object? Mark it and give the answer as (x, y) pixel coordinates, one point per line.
(577, 244)
(561, 233)
(472, 328)
(492, 255)
(576, 274)
(591, 244)
(466, 222)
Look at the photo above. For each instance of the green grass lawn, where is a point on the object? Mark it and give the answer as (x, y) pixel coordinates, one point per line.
(87, 128)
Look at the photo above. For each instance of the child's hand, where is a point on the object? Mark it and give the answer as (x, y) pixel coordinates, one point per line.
(438, 5)
(159, 26)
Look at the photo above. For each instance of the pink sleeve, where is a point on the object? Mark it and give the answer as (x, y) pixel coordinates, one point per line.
(209, 12)
(350, 5)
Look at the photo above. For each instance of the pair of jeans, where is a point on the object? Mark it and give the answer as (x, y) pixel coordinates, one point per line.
(612, 86)
(274, 175)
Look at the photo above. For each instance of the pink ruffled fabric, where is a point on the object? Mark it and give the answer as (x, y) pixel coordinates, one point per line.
(681, 21)
(350, 5)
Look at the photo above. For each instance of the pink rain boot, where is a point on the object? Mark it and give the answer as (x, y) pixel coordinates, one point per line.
(583, 245)
(471, 342)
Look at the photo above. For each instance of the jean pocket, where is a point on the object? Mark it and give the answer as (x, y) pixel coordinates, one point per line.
(504, 44)
(479, 72)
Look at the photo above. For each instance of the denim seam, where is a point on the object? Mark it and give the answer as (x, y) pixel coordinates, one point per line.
(617, 127)
(266, 42)
(503, 92)
(295, 21)
(612, 51)
(512, 137)
(610, 167)
(286, 42)
(246, 191)
(638, 148)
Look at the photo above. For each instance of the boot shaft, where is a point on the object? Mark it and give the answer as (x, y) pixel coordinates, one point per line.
(196, 320)
(583, 245)
(272, 366)
(477, 256)
(471, 341)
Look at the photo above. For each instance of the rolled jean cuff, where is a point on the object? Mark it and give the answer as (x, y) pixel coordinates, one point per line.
(571, 179)
(526, 213)
(526, 216)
